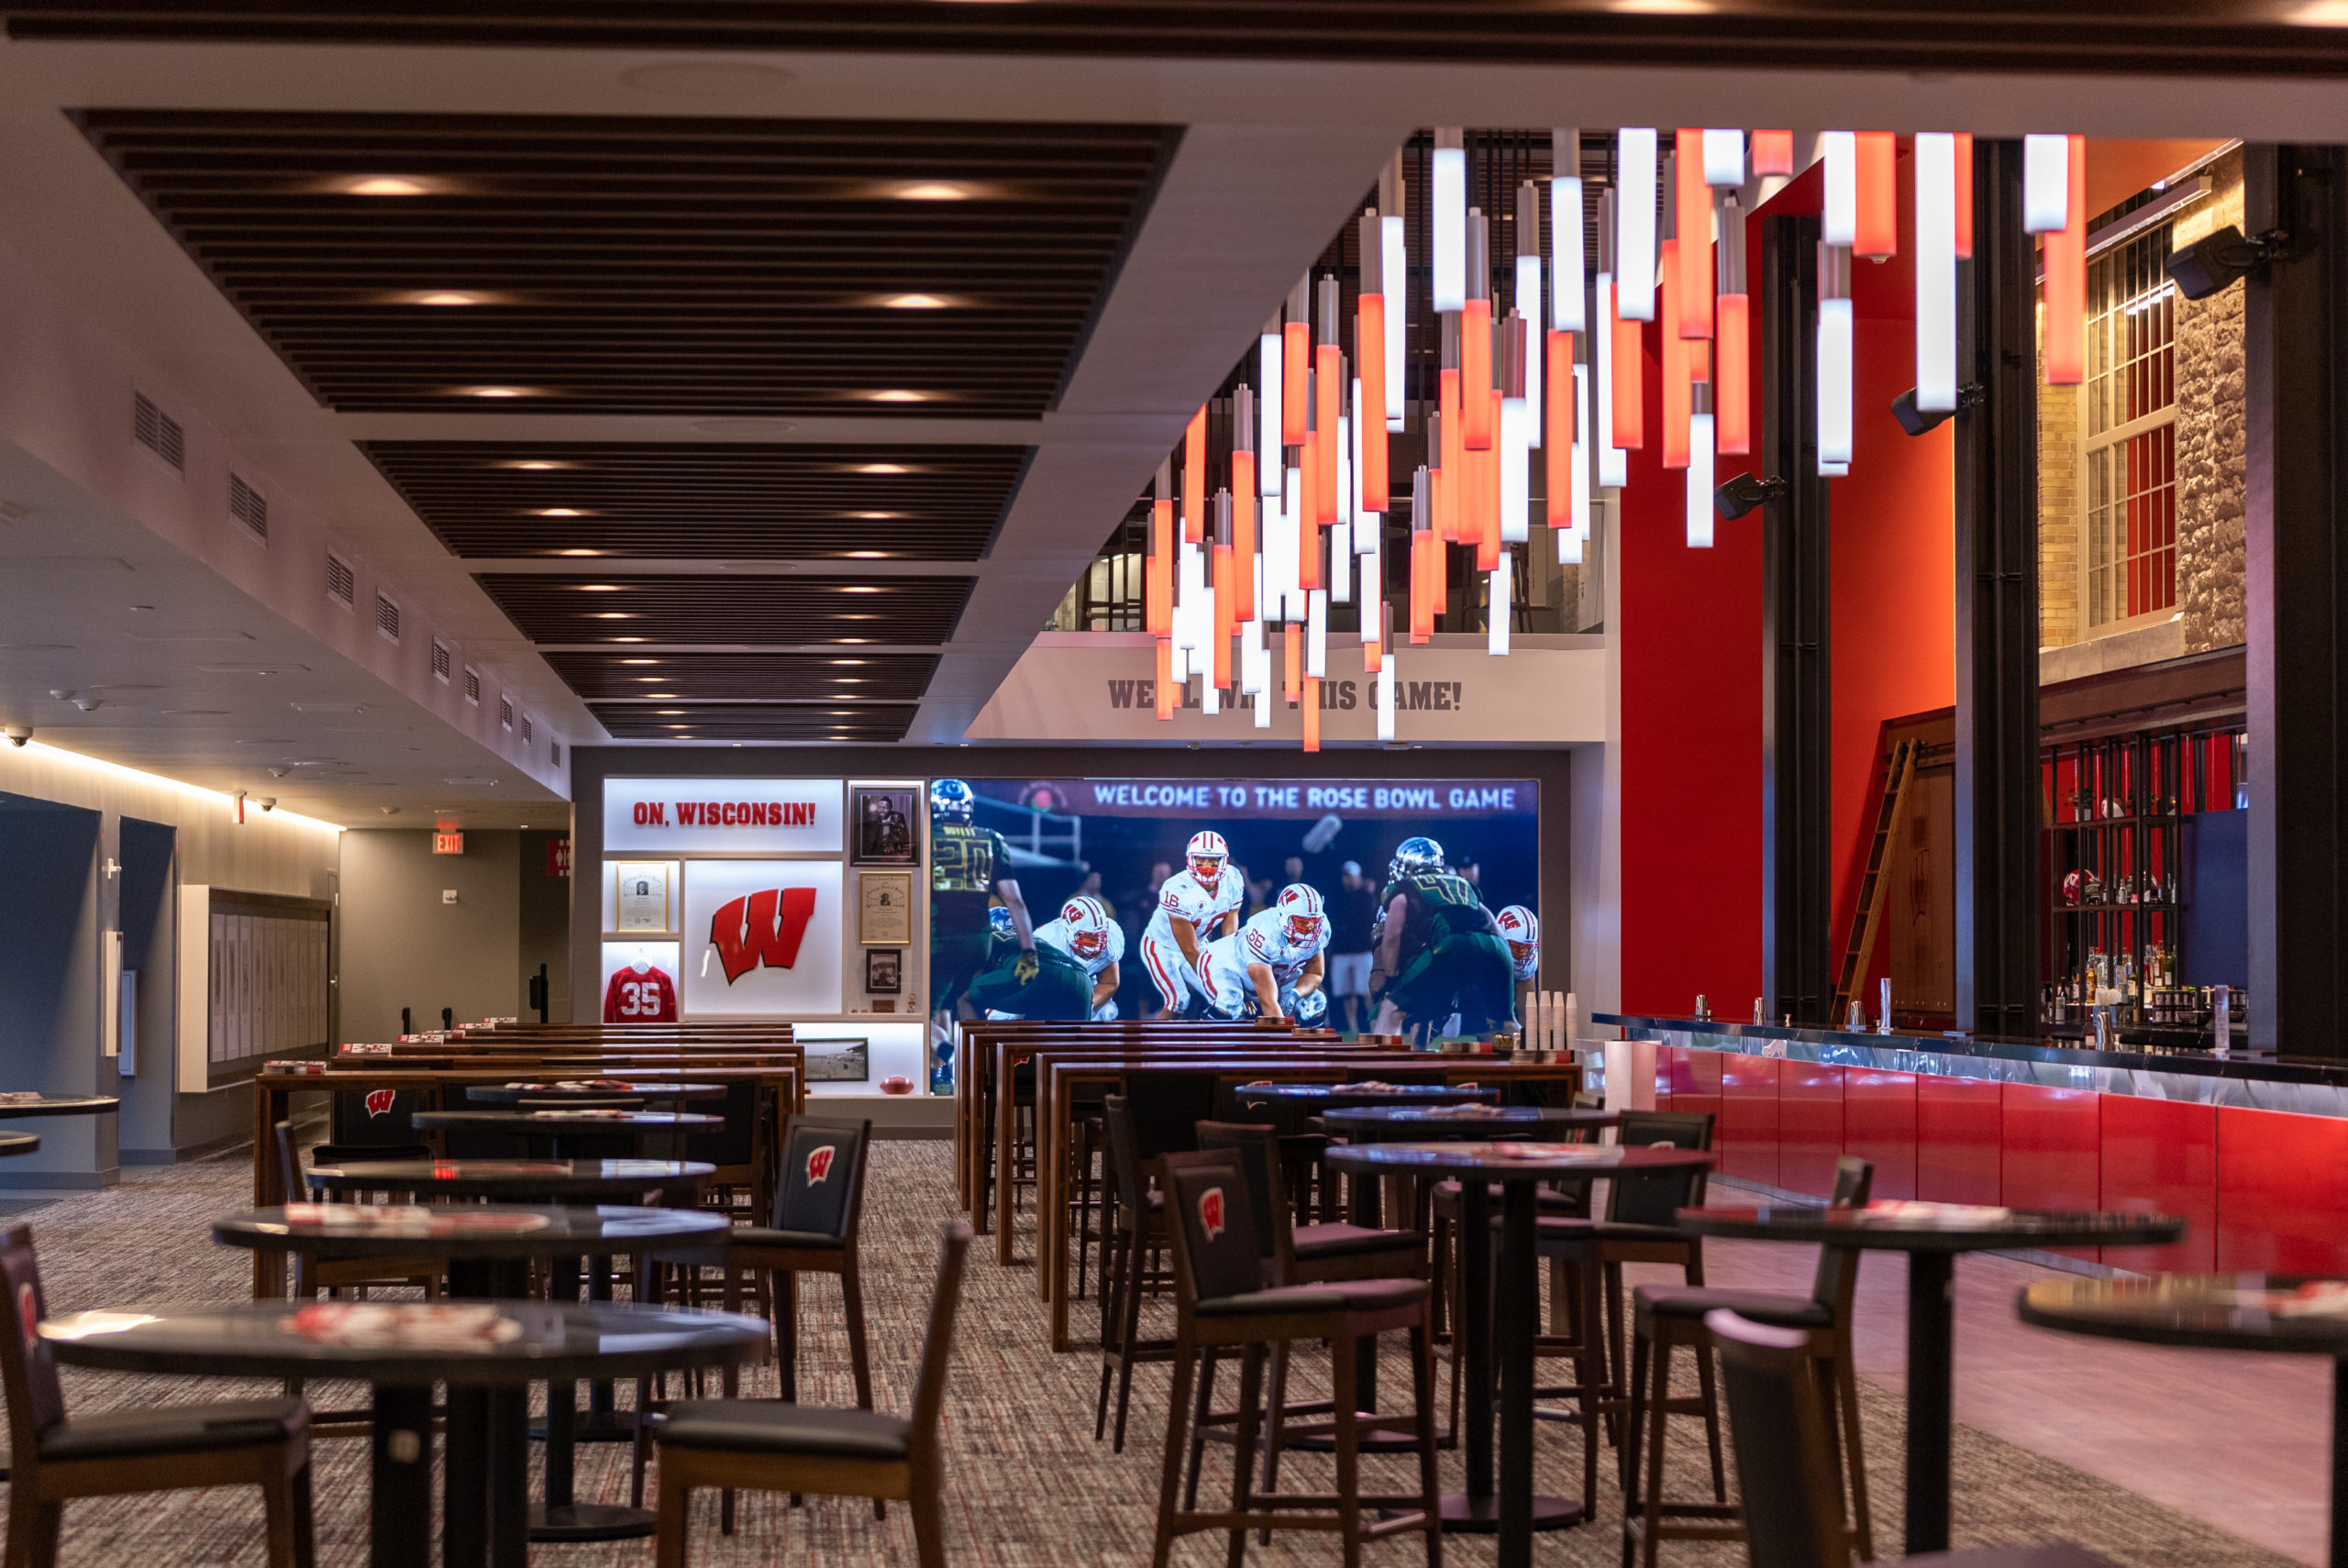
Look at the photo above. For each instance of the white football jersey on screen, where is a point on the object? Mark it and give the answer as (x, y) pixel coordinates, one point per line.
(1182, 895)
(1263, 940)
(1267, 942)
(1057, 934)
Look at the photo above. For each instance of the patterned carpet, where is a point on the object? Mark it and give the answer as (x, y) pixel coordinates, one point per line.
(1028, 1486)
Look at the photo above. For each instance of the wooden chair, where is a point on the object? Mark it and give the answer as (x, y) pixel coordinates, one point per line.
(1221, 1304)
(814, 1227)
(312, 1274)
(1134, 1234)
(763, 1446)
(1670, 1316)
(53, 1459)
(1785, 1461)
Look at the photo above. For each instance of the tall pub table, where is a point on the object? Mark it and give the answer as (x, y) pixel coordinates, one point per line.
(1497, 1336)
(1932, 1234)
(488, 1249)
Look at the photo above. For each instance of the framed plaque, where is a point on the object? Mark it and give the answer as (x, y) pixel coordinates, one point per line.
(884, 914)
(884, 971)
(642, 897)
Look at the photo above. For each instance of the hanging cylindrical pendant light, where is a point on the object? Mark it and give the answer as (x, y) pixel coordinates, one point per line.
(1316, 634)
(1226, 591)
(1562, 430)
(1838, 221)
(1242, 502)
(1164, 678)
(1676, 374)
(1699, 469)
(1526, 298)
(1296, 364)
(1732, 368)
(1159, 587)
(1271, 382)
(1634, 255)
(1476, 339)
(1329, 385)
(1497, 606)
(1630, 376)
(1692, 225)
(1488, 489)
(1568, 267)
(1773, 153)
(1964, 195)
(1875, 156)
(1311, 700)
(1724, 159)
(1445, 443)
(1394, 271)
(1423, 545)
(1194, 478)
(1569, 539)
(1386, 698)
(1935, 162)
(2045, 183)
(1292, 663)
(1447, 210)
(1834, 346)
(2066, 259)
(1369, 369)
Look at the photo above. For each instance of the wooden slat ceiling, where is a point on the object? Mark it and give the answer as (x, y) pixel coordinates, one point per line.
(2068, 36)
(737, 611)
(624, 265)
(717, 677)
(879, 723)
(681, 501)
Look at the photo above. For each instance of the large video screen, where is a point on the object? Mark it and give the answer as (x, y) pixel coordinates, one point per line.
(1194, 911)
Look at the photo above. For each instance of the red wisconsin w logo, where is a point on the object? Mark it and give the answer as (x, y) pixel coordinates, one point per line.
(379, 1101)
(1211, 1212)
(762, 928)
(819, 1162)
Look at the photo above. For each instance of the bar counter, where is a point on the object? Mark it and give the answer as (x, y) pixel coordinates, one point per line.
(2252, 1150)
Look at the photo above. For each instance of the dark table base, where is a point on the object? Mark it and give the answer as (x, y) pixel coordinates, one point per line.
(589, 1521)
(1464, 1514)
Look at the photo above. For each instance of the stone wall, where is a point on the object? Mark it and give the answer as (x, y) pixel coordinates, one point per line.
(2210, 455)
(2060, 519)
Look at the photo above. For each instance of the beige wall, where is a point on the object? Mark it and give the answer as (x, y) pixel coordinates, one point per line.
(2210, 434)
(404, 947)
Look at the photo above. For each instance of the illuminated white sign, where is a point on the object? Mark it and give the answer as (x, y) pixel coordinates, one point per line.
(745, 816)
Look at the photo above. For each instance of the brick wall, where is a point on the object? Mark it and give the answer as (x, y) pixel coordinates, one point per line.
(2060, 520)
(2210, 455)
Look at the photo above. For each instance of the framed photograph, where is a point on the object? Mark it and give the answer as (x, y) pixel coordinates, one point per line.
(884, 971)
(884, 908)
(883, 827)
(642, 897)
(838, 1060)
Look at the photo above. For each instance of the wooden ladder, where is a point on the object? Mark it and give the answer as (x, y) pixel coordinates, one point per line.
(1875, 887)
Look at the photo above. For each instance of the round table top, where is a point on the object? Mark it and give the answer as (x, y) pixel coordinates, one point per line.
(2215, 1311)
(475, 1343)
(511, 1178)
(469, 1231)
(1337, 1095)
(1514, 1162)
(570, 1120)
(19, 1144)
(1428, 1124)
(591, 1089)
(58, 1104)
(1932, 1227)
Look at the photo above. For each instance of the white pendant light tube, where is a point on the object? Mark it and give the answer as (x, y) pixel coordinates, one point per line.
(1180, 671)
(1316, 633)
(1833, 383)
(1397, 265)
(2045, 183)
(1501, 591)
(1516, 475)
(1724, 158)
(1341, 561)
(1251, 640)
(1613, 463)
(1569, 539)
(1634, 224)
(1937, 271)
(1192, 584)
(1448, 211)
(1271, 380)
(1838, 222)
(1699, 481)
(1280, 564)
(1528, 306)
(1350, 508)
(1567, 281)
(1386, 697)
(1263, 710)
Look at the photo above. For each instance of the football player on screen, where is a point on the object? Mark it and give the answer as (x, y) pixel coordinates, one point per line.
(969, 868)
(1086, 932)
(1195, 906)
(1272, 966)
(1049, 980)
(1438, 950)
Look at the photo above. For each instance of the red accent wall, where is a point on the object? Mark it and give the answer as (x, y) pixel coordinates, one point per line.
(1958, 1125)
(1879, 1126)
(2160, 1156)
(2051, 1152)
(1748, 1134)
(2282, 1191)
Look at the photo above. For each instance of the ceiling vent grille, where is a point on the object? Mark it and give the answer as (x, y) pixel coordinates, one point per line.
(158, 431)
(555, 748)
(387, 618)
(249, 506)
(472, 686)
(506, 713)
(342, 583)
(440, 662)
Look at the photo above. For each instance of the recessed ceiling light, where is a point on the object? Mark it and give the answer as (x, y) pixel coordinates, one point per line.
(669, 713)
(582, 552)
(627, 639)
(643, 661)
(559, 511)
(854, 618)
(609, 615)
(881, 467)
(497, 391)
(849, 661)
(854, 639)
(445, 297)
(386, 185)
(600, 587)
(657, 696)
(533, 465)
(898, 394)
(915, 301)
(874, 517)
(934, 191)
(870, 555)
(858, 588)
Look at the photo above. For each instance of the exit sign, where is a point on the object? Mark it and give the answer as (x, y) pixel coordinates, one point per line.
(447, 843)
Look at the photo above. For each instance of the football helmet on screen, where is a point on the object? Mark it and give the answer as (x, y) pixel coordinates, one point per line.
(1520, 928)
(1312, 1008)
(1207, 856)
(952, 797)
(1087, 924)
(1419, 853)
(999, 923)
(1300, 908)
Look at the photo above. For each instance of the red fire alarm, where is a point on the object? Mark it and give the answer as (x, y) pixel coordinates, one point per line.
(447, 843)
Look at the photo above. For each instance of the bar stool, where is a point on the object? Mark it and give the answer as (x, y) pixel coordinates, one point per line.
(1669, 1316)
(1134, 1234)
(1221, 1304)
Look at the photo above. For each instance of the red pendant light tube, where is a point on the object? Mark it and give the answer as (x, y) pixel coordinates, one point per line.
(1964, 195)
(1676, 369)
(2067, 281)
(1328, 399)
(1874, 158)
(1558, 417)
(1693, 319)
(1296, 359)
(1475, 375)
(1629, 367)
(1312, 712)
(1370, 356)
(1194, 478)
